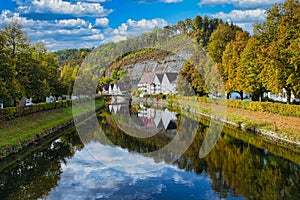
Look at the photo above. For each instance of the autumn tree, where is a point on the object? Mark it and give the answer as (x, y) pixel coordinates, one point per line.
(219, 39)
(26, 70)
(232, 71)
(280, 35)
(252, 68)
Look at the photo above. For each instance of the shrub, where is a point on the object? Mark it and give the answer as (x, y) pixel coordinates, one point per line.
(276, 108)
(13, 112)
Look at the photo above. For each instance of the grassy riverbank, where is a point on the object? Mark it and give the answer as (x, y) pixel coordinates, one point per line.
(286, 127)
(18, 133)
(272, 126)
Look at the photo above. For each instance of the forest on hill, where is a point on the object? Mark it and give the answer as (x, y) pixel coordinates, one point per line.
(268, 60)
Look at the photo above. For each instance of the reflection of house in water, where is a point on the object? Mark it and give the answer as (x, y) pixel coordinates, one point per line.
(115, 108)
(160, 119)
(163, 120)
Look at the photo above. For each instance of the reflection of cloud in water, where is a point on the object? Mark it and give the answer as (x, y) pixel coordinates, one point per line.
(120, 159)
(84, 177)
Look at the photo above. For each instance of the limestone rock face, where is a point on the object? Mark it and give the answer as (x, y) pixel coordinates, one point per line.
(172, 63)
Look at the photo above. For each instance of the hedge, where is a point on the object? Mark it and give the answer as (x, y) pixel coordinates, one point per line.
(276, 108)
(13, 112)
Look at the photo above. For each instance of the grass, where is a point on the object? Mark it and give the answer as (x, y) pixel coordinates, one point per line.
(285, 125)
(19, 132)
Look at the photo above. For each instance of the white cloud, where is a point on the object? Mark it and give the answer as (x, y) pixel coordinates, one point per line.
(101, 22)
(72, 23)
(239, 16)
(57, 34)
(78, 9)
(132, 28)
(78, 33)
(243, 18)
(241, 4)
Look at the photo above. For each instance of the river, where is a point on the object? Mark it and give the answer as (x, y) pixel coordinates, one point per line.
(239, 166)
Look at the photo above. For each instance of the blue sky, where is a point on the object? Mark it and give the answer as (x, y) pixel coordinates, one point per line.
(62, 24)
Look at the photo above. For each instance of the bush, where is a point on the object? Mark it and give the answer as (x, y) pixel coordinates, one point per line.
(276, 108)
(13, 112)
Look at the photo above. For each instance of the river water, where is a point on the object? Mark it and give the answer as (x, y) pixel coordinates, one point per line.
(240, 165)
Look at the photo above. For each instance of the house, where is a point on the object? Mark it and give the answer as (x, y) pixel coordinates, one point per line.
(146, 84)
(119, 88)
(158, 83)
(282, 96)
(155, 83)
(105, 88)
(168, 85)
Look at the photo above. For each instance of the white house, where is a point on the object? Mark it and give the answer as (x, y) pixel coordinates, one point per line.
(146, 84)
(155, 83)
(119, 88)
(282, 96)
(158, 83)
(168, 85)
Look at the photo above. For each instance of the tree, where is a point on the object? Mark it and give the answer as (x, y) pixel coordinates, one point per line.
(231, 63)
(6, 73)
(252, 69)
(279, 35)
(219, 39)
(17, 45)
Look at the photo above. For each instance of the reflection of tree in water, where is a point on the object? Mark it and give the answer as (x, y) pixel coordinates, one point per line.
(234, 166)
(240, 168)
(119, 138)
(34, 176)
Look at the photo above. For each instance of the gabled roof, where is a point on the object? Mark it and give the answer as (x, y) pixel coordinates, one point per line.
(123, 86)
(105, 87)
(147, 78)
(172, 77)
(160, 77)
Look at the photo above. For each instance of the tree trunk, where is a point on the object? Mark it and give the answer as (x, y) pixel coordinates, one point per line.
(241, 94)
(260, 98)
(288, 95)
(228, 95)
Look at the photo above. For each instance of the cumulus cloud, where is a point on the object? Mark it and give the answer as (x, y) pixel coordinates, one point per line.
(101, 22)
(242, 16)
(132, 28)
(241, 4)
(57, 34)
(78, 33)
(79, 9)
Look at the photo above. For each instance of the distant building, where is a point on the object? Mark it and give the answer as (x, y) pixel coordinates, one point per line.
(146, 84)
(155, 83)
(168, 85)
(105, 88)
(282, 96)
(119, 88)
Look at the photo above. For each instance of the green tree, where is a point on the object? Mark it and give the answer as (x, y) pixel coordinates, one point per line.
(231, 63)
(17, 45)
(279, 35)
(252, 68)
(218, 40)
(6, 73)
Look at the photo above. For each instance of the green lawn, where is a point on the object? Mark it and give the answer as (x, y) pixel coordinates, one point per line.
(17, 133)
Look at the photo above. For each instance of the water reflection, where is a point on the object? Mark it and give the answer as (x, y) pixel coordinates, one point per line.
(235, 169)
